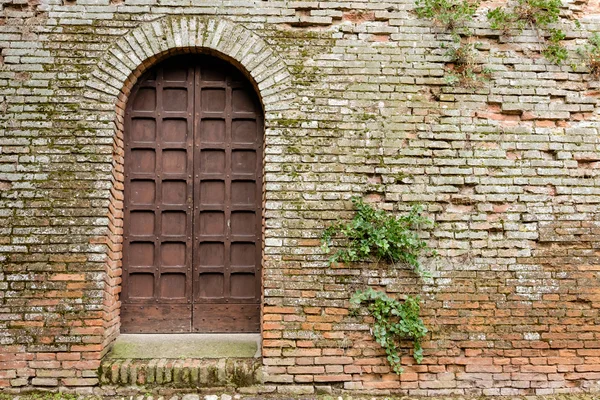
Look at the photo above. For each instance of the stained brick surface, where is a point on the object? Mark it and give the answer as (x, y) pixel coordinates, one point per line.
(355, 103)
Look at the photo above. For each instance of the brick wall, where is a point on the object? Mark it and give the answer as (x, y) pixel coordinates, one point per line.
(355, 103)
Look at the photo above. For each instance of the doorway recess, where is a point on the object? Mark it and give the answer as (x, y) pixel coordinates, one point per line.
(192, 200)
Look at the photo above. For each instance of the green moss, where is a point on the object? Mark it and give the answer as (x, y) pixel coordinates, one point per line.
(367, 117)
(241, 378)
(343, 278)
(398, 178)
(288, 123)
(212, 376)
(293, 150)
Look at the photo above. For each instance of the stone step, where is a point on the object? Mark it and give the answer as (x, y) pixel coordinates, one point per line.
(183, 361)
(181, 346)
(182, 373)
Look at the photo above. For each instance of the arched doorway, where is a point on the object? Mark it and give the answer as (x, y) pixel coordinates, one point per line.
(192, 200)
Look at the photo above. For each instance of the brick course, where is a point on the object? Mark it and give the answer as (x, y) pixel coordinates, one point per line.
(355, 103)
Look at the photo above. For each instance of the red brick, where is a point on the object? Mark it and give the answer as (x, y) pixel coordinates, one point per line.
(333, 378)
(42, 356)
(333, 360)
(546, 369)
(352, 369)
(437, 384)
(528, 377)
(280, 310)
(334, 369)
(44, 364)
(304, 378)
(381, 385)
(588, 368)
(80, 381)
(81, 365)
(306, 370)
(336, 311)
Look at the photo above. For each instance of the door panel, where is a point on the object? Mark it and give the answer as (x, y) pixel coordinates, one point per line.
(193, 200)
(226, 299)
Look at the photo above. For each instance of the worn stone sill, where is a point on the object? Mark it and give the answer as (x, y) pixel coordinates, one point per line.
(186, 346)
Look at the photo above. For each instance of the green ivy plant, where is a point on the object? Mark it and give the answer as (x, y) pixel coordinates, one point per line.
(590, 53)
(453, 15)
(538, 15)
(376, 235)
(394, 321)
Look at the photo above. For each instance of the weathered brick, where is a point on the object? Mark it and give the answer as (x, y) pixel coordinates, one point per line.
(355, 103)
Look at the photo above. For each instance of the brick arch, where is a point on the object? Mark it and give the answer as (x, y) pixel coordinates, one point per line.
(148, 44)
(126, 60)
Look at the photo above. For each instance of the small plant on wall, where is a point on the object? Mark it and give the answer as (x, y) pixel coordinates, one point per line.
(554, 51)
(533, 14)
(465, 70)
(394, 321)
(590, 53)
(452, 15)
(378, 236)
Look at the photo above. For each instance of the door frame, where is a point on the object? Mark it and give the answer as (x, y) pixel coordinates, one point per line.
(107, 90)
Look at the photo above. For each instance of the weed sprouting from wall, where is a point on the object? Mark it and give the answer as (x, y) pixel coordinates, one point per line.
(590, 53)
(377, 235)
(537, 15)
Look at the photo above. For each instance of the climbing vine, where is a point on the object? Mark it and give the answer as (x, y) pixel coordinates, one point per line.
(377, 235)
(394, 321)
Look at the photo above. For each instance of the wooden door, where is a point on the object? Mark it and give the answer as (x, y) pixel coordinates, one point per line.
(193, 200)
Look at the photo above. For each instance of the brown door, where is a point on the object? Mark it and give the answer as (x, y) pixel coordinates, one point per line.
(193, 200)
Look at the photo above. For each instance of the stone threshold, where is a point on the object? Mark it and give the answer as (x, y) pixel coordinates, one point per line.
(183, 361)
(183, 346)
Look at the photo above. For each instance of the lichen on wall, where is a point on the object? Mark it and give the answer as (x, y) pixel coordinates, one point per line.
(508, 169)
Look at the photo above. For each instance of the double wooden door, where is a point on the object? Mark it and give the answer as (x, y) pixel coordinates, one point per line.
(193, 200)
